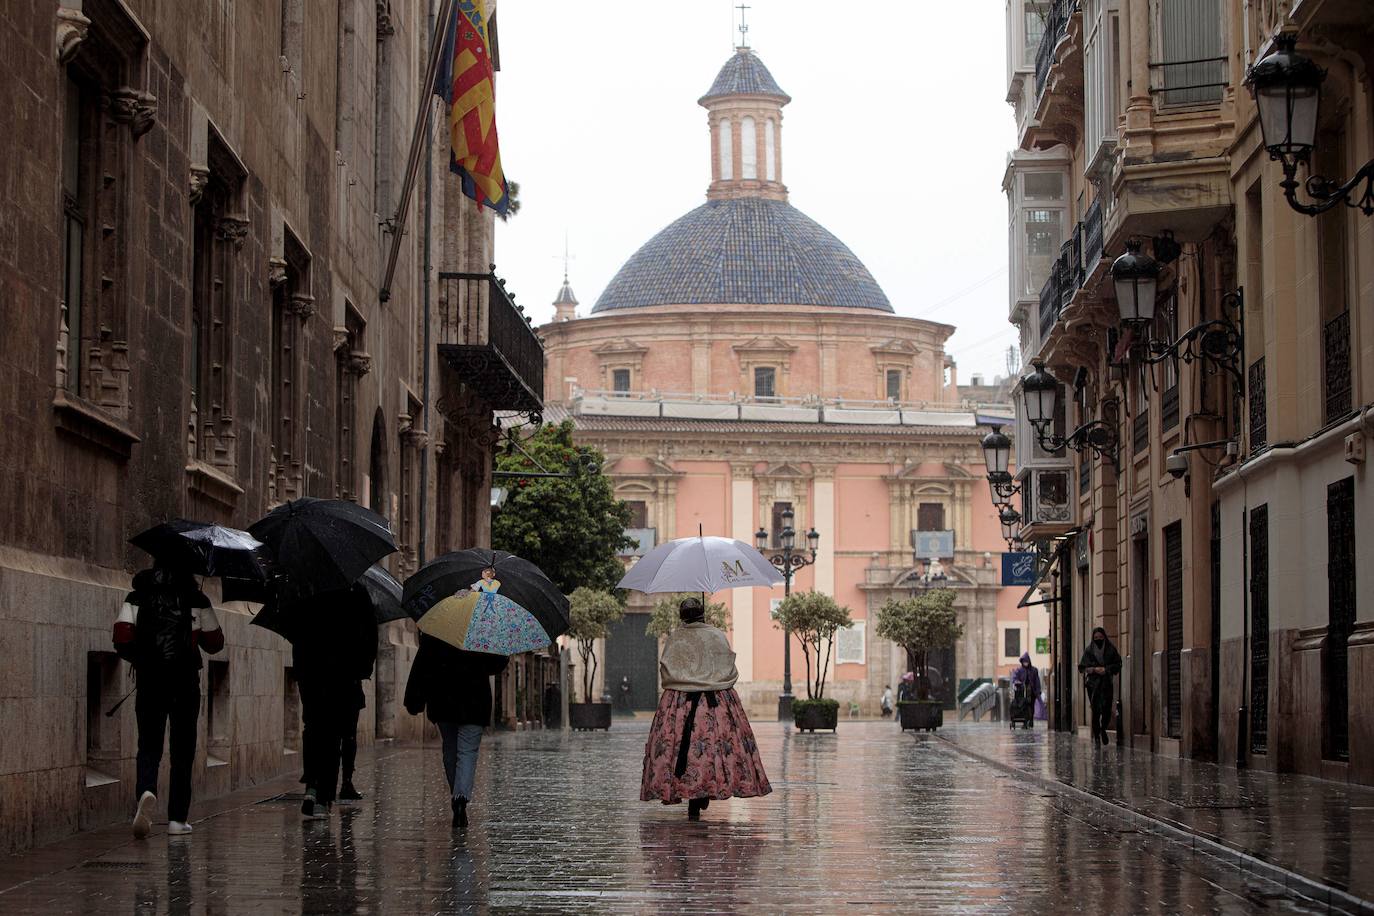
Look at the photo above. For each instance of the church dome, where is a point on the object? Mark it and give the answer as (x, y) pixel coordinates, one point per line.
(743, 251)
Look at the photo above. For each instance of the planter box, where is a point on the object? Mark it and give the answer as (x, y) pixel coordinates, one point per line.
(811, 718)
(921, 715)
(587, 716)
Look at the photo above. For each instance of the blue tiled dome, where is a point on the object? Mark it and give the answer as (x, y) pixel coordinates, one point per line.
(744, 74)
(746, 251)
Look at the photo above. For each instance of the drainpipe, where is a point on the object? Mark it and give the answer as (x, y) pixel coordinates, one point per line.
(422, 547)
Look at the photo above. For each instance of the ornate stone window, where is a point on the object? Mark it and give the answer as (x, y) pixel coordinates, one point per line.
(218, 233)
(351, 362)
(772, 354)
(620, 381)
(413, 440)
(765, 383)
(617, 357)
(292, 306)
(893, 380)
(104, 113)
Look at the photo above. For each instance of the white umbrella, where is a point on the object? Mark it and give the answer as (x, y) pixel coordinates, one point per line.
(701, 564)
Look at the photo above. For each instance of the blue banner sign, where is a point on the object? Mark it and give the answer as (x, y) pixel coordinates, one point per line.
(1018, 568)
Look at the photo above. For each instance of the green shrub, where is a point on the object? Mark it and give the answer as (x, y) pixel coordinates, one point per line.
(800, 707)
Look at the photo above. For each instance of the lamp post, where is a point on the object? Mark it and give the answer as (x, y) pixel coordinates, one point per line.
(1039, 393)
(1287, 88)
(788, 560)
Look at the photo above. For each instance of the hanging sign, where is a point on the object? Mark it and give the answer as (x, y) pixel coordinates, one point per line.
(1018, 568)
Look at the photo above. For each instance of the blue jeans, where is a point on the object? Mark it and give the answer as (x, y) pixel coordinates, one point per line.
(460, 756)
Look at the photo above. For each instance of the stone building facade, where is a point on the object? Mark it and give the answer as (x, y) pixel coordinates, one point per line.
(1237, 587)
(192, 264)
(744, 361)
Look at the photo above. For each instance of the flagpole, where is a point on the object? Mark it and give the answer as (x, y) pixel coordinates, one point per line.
(436, 46)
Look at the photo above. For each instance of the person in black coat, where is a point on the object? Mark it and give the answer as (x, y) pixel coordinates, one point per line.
(453, 688)
(1099, 664)
(333, 648)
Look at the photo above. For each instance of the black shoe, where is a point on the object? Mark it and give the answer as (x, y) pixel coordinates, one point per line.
(705, 803)
(694, 809)
(308, 805)
(460, 814)
(348, 793)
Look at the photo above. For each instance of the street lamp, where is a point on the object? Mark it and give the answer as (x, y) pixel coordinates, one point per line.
(1039, 392)
(997, 459)
(1136, 278)
(1010, 520)
(787, 560)
(1287, 88)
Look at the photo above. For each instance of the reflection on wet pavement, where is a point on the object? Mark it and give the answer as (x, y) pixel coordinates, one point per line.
(866, 820)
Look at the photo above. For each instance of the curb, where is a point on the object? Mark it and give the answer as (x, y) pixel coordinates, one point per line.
(1310, 888)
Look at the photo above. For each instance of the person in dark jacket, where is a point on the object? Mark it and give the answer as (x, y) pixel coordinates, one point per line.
(1099, 664)
(333, 648)
(452, 687)
(163, 626)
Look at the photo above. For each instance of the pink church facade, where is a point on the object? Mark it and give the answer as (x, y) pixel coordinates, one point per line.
(744, 362)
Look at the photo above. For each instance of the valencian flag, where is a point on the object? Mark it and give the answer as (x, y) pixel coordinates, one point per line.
(465, 82)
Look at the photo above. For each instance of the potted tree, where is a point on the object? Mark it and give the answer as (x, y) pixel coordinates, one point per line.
(814, 618)
(921, 625)
(592, 612)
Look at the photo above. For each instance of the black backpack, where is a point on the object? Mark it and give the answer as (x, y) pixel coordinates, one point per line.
(162, 632)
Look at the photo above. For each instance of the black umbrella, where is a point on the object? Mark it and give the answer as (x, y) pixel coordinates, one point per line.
(205, 549)
(324, 544)
(384, 592)
(521, 582)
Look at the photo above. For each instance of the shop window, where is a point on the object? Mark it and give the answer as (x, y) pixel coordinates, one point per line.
(102, 694)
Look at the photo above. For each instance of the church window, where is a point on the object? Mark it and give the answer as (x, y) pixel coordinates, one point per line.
(770, 150)
(894, 384)
(727, 151)
(930, 517)
(765, 383)
(639, 513)
(748, 149)
(778, 510)
(620, 381)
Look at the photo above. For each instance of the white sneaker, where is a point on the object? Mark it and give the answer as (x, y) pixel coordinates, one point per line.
(175, 828)
(143, 817)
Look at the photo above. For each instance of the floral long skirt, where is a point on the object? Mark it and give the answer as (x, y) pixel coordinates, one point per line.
(722, 758)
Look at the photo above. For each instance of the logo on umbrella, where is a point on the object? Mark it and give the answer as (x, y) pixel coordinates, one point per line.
(732, 572)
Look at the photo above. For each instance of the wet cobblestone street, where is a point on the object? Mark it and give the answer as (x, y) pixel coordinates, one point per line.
(864, 821)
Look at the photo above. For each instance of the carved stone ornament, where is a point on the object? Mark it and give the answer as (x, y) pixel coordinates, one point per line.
(72, 26)
(302, 305)
(359, 363)
(134, 108)
(200, 178)
(276, 272)
(232, 229)
(385, 27)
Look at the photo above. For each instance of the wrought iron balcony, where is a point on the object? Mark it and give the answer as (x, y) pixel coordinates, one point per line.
(489, 342)
(1092, 236)
(1049, 303)
(1055, 26)
(1259, 413)
(1336, 366)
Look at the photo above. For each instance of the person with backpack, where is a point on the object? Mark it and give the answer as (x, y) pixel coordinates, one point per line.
(163, 626)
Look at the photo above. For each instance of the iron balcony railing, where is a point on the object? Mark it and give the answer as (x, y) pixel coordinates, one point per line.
(1049, 303)
(1259, 414)
(489, 341)
(1056, 24)
(1092, 236)
(1336, 366)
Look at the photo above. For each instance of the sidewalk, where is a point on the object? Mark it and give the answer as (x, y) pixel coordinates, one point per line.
(1309, 834)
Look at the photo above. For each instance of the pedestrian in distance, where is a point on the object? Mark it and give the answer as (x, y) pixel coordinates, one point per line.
(333, 648)
(1025, 691)
(700, 745)
(162, 628)
(453, 688)
(1099, 664)
(886, 702)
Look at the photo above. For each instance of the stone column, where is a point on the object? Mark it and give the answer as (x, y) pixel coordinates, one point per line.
(742, 600)
(823, 515)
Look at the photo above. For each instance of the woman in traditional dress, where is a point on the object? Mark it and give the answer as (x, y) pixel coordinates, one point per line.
(700, 746)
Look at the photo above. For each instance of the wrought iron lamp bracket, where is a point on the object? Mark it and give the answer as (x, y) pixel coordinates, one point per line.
(1327, 193)
(1218, 343)
(1098, 435)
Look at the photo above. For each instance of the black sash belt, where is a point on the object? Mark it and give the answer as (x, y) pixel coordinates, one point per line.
(712, 701)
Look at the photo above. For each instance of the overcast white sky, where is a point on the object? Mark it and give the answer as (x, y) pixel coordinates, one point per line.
(895, 141)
